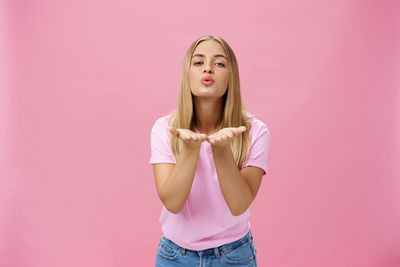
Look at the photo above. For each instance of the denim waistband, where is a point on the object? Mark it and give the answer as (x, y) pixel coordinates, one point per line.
(216, 250)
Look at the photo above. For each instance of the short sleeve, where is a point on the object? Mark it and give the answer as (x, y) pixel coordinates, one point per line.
(161, 151)
(259, 148)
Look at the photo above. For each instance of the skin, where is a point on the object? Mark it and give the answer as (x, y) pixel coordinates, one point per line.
(208, 99)
(239, 187)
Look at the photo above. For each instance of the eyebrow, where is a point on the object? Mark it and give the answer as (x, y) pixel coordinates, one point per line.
(201, 55)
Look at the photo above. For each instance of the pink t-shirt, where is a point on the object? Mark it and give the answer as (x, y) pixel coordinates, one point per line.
(205, 220)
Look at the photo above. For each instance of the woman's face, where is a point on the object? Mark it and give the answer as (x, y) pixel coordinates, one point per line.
(209, 59)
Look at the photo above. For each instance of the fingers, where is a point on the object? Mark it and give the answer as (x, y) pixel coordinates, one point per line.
(238, 131)
(221, 136)
(230, 132)
(192, 139)
(225, 135)
(188, 136)
(242, 129)
(204, 136)
(174, 131)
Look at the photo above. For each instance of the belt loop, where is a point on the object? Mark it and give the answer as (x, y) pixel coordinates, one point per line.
(182, 250)
(217, 253)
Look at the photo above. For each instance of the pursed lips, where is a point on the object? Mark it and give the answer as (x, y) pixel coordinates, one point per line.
(207, 80)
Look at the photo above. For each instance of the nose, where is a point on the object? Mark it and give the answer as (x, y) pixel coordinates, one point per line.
(207, 69)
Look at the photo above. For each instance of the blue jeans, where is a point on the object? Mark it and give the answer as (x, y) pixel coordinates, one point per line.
(241, 252)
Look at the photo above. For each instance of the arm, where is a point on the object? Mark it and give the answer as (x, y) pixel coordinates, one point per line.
(174, 181)
(239, 187)
(175, 188)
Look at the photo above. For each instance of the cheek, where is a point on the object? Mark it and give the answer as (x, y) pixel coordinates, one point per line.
(192, 76)
(225, 78)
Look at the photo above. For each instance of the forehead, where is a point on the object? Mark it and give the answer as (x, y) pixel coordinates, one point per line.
(209, 48)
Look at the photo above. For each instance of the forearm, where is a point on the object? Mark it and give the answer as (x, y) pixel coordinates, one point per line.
(177, 187)
(235, 189)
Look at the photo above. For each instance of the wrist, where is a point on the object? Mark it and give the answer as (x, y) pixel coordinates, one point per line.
(221, 149)
(190, 147)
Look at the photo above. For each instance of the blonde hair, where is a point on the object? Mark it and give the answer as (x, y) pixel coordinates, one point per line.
(234, 112)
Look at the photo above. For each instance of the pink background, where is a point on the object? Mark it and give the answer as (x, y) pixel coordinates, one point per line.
(82, 83)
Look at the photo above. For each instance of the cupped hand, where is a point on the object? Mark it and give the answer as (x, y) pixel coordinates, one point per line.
(189, 137)
(225, 135)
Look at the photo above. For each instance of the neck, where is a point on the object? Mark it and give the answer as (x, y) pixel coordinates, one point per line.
(208, 114)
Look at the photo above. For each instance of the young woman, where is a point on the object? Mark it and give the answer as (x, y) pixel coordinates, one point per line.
(208, 157)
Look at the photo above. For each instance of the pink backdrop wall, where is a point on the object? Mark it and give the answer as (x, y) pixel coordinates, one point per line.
(82, 83)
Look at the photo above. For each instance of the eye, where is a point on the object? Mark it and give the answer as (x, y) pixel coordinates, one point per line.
(221, 64)
(196, 63)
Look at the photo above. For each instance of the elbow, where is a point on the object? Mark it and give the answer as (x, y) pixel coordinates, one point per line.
(174, 211)
(171, 205)
(239, 208)
(237, 212)
(173, 208)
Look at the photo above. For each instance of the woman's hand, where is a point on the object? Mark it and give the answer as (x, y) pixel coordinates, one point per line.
(224, 136)
(188, 137)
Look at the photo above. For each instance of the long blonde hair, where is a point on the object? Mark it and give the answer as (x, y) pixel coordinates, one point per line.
(235, 113)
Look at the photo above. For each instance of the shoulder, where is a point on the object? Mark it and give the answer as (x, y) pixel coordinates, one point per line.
(258, 126)
(163, 121)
